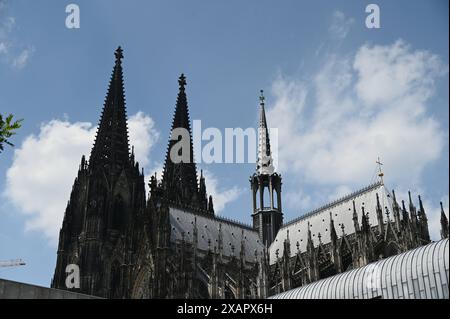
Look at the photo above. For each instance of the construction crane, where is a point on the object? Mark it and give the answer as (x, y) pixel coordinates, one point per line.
(12, 263)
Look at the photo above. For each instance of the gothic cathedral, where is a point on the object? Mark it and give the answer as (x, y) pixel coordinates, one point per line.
(170, 244)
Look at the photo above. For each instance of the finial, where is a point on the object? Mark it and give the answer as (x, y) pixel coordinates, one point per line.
(261, 97)
(119, 54)
(380, 171)
(182, 81)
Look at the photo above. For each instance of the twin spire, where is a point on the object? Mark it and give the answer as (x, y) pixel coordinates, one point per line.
(179, 181)
(111, 147)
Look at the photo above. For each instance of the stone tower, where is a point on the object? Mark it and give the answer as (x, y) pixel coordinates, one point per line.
(107, 200)
(179, 181)
(266, 186)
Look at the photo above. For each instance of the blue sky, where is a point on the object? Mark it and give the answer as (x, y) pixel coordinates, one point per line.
(339, 93)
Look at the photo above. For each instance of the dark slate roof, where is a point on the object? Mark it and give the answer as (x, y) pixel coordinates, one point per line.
(183, 221)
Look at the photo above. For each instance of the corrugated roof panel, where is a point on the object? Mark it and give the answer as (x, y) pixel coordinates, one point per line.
(423, 271)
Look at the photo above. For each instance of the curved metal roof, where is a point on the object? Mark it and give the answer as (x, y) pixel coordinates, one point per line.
(421, 273)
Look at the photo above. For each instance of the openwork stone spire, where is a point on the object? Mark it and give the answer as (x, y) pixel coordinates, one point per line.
(111, 147)
(265, 162)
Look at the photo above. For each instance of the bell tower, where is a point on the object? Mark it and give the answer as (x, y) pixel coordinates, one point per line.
(266, 186)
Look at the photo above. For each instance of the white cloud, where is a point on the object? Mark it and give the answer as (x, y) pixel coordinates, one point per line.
(12, 52)
(388, 74)
(221, 197)
(143, 136)
(21, 60)
(339, 192)
(3, 48)
(297, 199)
(340, 25)
(40, 178)
(375, 103)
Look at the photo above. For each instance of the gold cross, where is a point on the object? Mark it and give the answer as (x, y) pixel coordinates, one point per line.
(380, 172)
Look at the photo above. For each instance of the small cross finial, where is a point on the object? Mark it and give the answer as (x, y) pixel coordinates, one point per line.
(119, 53)
(261, 97)
(380, 171)
(182, 80)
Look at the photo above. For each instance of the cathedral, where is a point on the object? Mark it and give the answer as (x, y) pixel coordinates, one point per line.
(171, 244)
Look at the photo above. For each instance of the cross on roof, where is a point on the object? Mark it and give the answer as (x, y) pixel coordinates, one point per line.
(380, 171)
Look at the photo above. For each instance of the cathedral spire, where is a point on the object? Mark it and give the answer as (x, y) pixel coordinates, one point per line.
(396, 211)
(333, 234)
(180, 176)
(444, 223)
(412, 208)
(265, 163)
(423, 221)
(111, 143)
(379, 211)
(309, 244)
(355, 218)
(422, 213)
